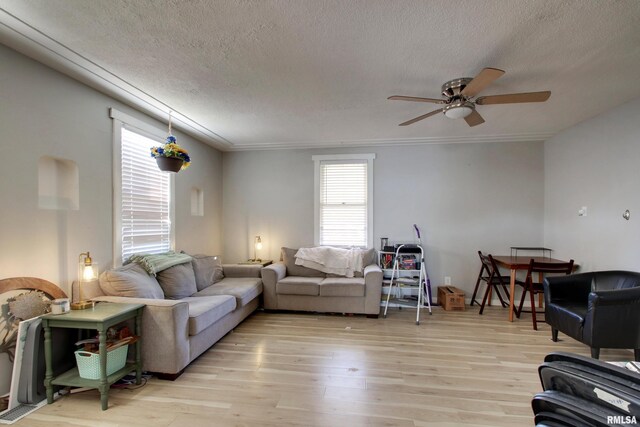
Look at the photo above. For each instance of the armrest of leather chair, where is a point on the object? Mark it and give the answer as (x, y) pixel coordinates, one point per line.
(617, 297)
(571, 289)
(613, 316)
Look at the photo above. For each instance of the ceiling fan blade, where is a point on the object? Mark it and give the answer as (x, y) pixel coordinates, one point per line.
(416, 99)
(474, 119)
(422, 117)
(481, 81)
(514, 98)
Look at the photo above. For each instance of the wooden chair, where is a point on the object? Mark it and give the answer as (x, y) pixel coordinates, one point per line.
(483, 275)
(535, 287)
(490, 274)
(31, 284)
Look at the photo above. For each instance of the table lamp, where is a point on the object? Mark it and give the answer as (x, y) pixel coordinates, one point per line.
(87, 272)
(257, 245)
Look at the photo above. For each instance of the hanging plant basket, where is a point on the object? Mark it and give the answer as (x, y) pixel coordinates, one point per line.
(169, 164)
(170, 157)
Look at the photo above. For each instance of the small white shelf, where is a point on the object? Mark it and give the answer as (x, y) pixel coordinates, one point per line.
(405, 284)
(404, 295)
(400, 303)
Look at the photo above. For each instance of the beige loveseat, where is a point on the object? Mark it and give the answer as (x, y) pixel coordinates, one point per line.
(176, 331)
(287, 286)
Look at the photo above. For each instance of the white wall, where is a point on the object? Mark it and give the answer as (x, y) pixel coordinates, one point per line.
(595, 164)
(464, 197)
(45, 113)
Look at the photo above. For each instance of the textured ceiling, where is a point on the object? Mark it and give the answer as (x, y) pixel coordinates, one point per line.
(317, 73)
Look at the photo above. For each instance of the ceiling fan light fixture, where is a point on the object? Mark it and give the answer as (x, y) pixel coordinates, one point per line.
(459, 110)
(460, 98)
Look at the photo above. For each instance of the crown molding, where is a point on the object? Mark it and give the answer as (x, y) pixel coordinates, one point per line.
(531, 137)
(29, 41)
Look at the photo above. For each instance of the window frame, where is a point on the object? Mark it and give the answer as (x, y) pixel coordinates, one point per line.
(317, 160)
(122, 120)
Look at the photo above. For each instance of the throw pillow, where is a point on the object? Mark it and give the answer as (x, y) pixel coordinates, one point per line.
(368, 258)
(178, 281)
(288, 257)
(131, 281)
(207, 269)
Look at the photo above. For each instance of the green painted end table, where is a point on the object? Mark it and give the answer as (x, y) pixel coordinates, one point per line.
(100, 318)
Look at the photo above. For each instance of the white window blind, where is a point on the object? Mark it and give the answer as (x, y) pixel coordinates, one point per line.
(343, 207)
(146, 198)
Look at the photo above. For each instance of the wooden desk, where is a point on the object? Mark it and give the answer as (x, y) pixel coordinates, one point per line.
(515, 263)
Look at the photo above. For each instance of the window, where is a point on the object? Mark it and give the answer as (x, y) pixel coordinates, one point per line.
(143, 205)
(344, 200)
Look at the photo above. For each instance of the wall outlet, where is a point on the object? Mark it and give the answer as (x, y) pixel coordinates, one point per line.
(447, 280)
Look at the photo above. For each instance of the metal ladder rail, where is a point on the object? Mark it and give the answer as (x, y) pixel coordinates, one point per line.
(393, 273)
(423, 287)
(424, 290)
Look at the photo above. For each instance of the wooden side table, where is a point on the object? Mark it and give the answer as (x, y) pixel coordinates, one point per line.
(101, 317)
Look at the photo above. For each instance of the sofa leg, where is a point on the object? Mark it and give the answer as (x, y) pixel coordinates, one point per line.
(168, 377)
(636, 353)
(554, 335)
(373, 316)
(595, 353)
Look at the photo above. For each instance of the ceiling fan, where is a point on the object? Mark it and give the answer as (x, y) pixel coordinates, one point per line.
(460, 102)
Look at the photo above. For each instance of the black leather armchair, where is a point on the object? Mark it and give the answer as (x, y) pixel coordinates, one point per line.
(600, 309)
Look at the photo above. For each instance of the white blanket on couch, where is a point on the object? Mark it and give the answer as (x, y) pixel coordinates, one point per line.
(343, 262)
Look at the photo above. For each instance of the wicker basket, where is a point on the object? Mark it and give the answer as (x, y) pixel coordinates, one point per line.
(89, 363)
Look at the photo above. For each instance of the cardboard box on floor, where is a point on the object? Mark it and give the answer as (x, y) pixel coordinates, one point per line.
(451, 298)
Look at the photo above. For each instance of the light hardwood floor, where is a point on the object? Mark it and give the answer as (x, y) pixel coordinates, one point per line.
(281, 369)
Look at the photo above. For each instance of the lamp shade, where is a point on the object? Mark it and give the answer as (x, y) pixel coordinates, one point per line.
(257, 245)
(87, 272)
(87, 268)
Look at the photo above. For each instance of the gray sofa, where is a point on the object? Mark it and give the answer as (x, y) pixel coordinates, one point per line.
(178, 325)
(287, 286)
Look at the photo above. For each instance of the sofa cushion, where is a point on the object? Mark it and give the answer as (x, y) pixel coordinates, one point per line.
(288, 257)
(205, 311)
(368, 258)
(296, 285)
(132, 281)
(342, 287)
(207, 269)
(244, 289)
(178, 281)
